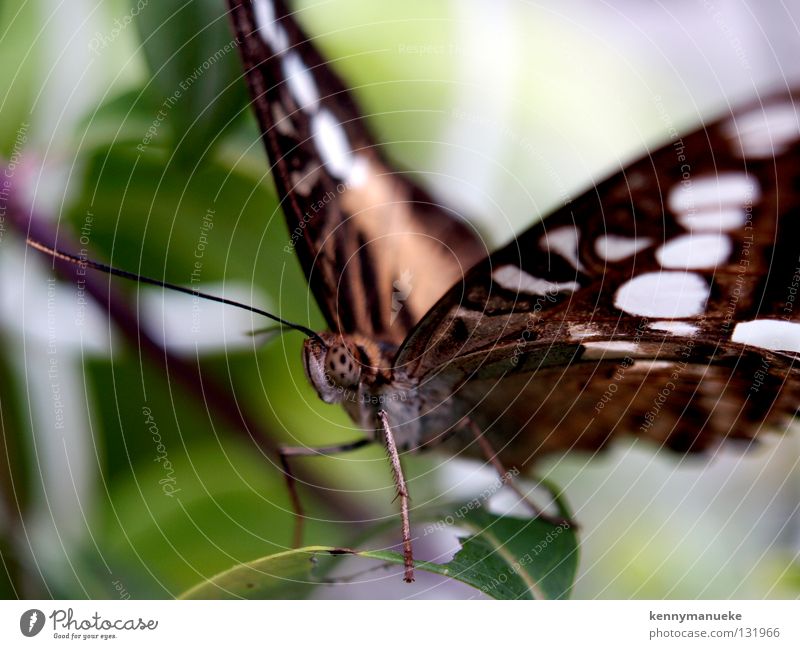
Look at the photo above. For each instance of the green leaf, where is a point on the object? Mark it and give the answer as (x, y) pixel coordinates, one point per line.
(509, 558)
(194, 60)
(122, 118)
(504, 557)
(154, 216)
(280, 576)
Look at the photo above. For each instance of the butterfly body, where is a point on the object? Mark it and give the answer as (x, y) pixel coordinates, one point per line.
(356, 372)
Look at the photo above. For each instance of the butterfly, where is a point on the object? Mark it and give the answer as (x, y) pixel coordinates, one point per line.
(661, 303)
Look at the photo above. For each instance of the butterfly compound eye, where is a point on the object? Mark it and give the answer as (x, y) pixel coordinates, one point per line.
(341, 366)
(331, 367)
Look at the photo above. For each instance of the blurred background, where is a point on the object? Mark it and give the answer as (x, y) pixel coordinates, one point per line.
(127, 471)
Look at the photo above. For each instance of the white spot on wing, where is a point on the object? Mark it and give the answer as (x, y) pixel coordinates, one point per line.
(268, 28)
(778, 335)
(564, 242)
(300, 81)
(334, 149)
(668, 294)
(695, 251)
(359, 172)
(515, 279)
(675, 327)
(608, 349)
(719, 220)
(581, 331)
(613, 247)
(709, 192)
(650, 366)
(764, 132)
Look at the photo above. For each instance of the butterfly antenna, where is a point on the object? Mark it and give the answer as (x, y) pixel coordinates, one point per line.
(267, 332)
(110, 270)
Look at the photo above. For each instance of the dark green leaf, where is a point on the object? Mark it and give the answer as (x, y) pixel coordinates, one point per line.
(195, 67)
(512, 558)
(159, 218)
(14, 484)
(509, 558)
(14, 440)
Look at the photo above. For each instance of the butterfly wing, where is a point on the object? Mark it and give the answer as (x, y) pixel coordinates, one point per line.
(377, 249)
(662, 303)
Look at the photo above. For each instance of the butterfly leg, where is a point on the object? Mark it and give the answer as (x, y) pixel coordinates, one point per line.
(507, 478)
(285, 452)
(402, 492)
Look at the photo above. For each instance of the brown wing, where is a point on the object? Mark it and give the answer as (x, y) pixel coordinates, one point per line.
(377, 249)
(662, 303)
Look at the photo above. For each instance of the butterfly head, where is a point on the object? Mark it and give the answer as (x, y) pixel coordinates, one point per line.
(333, 364)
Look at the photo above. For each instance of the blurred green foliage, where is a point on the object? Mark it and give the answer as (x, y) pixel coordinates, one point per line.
(19, 74)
